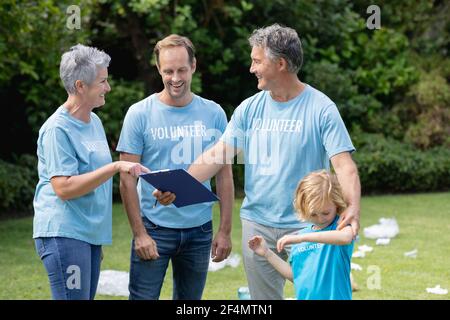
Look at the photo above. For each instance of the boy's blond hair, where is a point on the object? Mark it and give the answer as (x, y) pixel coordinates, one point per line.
(175, 40)
(315, 191)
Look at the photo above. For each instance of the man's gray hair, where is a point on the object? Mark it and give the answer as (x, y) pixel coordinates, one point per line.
(81, 63)
(279, 42)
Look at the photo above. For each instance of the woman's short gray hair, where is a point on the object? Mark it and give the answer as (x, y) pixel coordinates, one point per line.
(81, 63)
(279, 42)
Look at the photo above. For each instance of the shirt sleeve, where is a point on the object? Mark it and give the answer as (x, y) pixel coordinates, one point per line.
(235, 132)
(334, 134)
(131, 138)
(59, 153)
(221, 121)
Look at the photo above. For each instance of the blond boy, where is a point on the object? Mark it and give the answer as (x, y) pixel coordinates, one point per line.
(319, 261)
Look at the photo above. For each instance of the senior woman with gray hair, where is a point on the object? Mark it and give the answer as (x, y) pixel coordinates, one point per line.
(73, 199)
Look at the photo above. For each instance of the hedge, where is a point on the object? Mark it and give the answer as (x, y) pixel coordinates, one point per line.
(17, 184)
(389, 166)
(385, 166)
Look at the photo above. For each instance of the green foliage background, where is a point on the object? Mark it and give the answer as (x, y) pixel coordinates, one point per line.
(391, 85)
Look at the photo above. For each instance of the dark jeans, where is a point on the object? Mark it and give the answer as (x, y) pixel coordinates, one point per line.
(188, 249)
(73, 267)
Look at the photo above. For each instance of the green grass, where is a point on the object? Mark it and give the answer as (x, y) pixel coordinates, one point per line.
(424, 221)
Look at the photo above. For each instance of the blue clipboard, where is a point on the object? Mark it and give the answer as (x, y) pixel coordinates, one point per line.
(187, 189)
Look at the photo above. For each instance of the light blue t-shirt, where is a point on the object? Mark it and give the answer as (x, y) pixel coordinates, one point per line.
(168, 137)
(68, 147)
(282, 142)
(321, 271)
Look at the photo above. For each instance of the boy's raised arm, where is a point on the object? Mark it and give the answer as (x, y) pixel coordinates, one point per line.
(337, 237)
(280, 265)
(258, 245)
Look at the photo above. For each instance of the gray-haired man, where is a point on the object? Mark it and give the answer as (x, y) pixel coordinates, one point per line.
(286, 130)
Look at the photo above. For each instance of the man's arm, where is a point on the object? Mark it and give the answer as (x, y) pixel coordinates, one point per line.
(221, 245)
(347, 174)
(336, 237)
(211, 161)
(145, 246)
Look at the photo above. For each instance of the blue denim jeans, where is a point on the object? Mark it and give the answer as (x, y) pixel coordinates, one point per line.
(73, 267)
(188, 249)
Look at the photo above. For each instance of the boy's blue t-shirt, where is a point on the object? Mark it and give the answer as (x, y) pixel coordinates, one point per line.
(321, 271)
(67, 146)
(168, 137)
(282, 142)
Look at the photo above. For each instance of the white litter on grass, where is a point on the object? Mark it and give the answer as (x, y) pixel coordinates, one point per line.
(365, 248)
(113, 283)
(437, 290)
(383, 241)
(411, 254)
(358, 254)
(355, 266)
(387, 228)
(361, 252)
(233, 261)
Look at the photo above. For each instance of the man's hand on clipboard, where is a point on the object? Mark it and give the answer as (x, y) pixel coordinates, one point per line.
(183, 189)
(164, 198)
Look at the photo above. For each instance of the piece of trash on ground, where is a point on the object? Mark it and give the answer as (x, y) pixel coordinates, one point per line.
(383, 241)
(244, 293)
(233, 261)
(365, 248)
(386, 228)
(437, 290)
(358, 254)
(411, 254)
(355, 266)
(113, 283)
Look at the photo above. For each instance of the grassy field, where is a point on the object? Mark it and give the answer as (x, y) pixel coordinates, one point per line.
(424, 221)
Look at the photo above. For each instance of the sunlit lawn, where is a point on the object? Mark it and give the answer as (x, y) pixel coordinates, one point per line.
(424, 221)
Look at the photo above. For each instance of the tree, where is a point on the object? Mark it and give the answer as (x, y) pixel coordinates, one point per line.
(33, 34)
